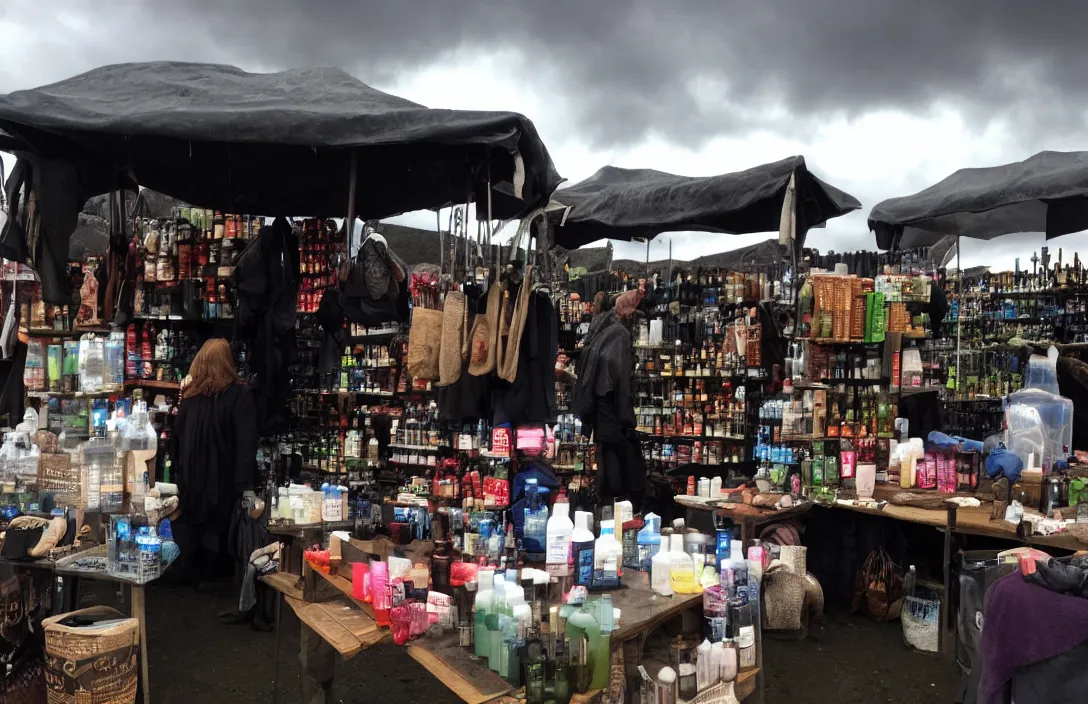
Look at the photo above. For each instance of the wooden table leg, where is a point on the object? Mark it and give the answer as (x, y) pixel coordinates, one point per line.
(276, 656)
(317, 660)
(139, 613)
(946, 645)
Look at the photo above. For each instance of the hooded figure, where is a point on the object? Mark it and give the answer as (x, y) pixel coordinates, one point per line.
(602, 400)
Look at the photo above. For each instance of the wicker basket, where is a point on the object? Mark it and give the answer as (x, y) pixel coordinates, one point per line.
(92, 665)
(721, 693)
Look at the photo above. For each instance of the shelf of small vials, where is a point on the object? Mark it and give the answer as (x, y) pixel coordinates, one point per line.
(50, 332)
(153, 384)
(46, 395)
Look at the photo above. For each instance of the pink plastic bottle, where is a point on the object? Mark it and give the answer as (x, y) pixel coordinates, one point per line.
(360, 577)
(379, 582)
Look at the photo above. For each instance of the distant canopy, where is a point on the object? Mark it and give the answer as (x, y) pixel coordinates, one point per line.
(1045, 193)
(627, 204)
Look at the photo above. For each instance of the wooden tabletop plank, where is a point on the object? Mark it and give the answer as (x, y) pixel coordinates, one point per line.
(641, 609)
(284, 583)
(456, 667)
(327, 626)
(969, 521)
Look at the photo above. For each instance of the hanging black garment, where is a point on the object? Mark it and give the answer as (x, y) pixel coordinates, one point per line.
(44, 197)
(604, 370)
(923, 413)
(531, 396)
(621, 470)
(12, 392)
(267, 279)
(468, 399)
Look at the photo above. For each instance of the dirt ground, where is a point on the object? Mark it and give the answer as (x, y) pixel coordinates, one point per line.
(194, 658)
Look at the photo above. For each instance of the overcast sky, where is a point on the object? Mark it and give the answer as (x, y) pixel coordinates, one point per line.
(882, 97)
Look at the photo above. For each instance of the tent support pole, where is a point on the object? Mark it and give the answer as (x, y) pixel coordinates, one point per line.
(959, 306)
(441, 238)
(670, 263)
(647, 257)
(353, 177)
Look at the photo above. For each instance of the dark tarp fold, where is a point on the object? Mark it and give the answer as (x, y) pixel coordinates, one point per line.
(278, 143)
(627, 204)
(1045, 193)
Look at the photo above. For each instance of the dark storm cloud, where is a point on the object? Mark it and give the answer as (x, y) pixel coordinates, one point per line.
(628, 69)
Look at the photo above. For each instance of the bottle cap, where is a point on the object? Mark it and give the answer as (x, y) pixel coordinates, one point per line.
(580, 521)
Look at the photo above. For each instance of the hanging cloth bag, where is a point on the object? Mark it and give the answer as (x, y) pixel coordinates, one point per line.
(509, 369)
(454, 319)
(483, 342)
(425, 343)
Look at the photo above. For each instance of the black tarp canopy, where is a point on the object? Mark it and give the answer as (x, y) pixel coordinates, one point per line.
(277, 143)
(1045, 193)
(627, 204)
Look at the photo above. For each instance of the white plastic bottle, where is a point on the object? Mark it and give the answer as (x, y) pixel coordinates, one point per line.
(559, 531)
(661, 569)
(607, 558)
(682, 570)
(582, 549)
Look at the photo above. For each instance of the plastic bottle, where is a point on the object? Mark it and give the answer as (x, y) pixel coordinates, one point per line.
(717, 661)
(715, 487)
(534, 528)
(494, 623)
(703, 665)
(608, 558)
(740, 571)
(649, 540)
(582, 549)
(724, 537)
(479, 623)
(682, 570)
(660, 571)
(379, 583)
(558, 539)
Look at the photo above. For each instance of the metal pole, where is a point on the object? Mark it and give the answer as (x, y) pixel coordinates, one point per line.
(647, 257)
(959, 315)
(353, 177)
(441, 237)
(670, 263)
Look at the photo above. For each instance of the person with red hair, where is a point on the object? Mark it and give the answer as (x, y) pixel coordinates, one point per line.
(214, 458)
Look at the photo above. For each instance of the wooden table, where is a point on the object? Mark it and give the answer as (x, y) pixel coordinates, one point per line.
(750, 518)
(334, 622)
(953, 520)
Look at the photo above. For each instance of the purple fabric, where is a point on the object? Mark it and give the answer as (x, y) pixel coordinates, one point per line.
(1025, 624)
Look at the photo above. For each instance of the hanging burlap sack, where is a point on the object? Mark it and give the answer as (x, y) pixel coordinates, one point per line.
(453, 338)
(483, 344)
(425, 344)
(98, 663)
(508, 368)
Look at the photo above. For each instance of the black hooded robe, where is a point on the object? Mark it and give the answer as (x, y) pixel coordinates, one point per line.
(215, 461)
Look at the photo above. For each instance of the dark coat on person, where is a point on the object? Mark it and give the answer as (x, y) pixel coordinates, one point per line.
(214, 458)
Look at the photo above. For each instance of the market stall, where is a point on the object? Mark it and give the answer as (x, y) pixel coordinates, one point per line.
(106, 344)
